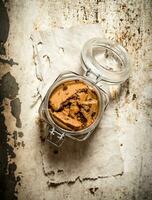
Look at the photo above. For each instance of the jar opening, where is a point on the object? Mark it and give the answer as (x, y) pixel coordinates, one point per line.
(96, 104)
(73, 105)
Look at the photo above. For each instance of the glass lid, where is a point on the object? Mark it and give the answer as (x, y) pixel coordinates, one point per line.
(107, 60)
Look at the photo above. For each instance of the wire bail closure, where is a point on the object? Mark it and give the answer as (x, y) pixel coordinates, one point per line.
(54, 137)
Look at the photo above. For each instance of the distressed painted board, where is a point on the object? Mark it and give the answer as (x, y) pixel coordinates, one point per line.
(22, 175)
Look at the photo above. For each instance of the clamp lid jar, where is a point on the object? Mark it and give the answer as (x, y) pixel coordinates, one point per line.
(74, 104)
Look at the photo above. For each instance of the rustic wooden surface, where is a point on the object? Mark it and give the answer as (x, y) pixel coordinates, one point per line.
(129, 23)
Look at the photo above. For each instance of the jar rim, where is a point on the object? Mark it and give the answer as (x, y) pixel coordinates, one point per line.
(71, 132)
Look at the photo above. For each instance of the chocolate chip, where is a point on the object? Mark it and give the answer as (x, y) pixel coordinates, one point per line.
(65, 87)
(93, 114)
(68, 105)
(85, 90)
(81, 117)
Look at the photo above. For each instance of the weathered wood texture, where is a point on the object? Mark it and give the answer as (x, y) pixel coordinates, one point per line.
(129, 23)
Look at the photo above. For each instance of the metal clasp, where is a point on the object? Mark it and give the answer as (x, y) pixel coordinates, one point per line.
(90, 72)
(54, 137)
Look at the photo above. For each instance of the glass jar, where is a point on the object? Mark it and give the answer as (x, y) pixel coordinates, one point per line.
(105, 63)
